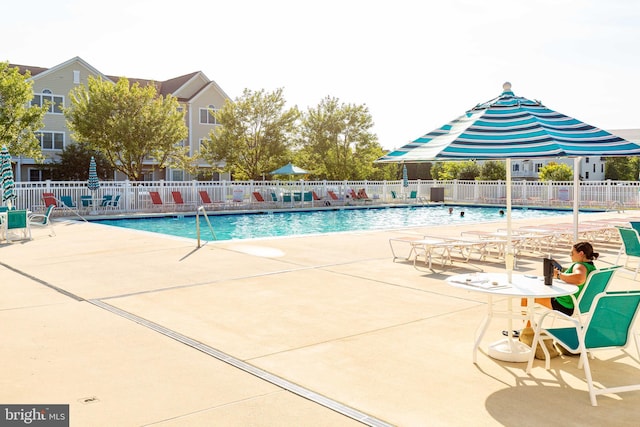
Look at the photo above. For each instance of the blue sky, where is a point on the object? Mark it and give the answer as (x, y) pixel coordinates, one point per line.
(415, 64)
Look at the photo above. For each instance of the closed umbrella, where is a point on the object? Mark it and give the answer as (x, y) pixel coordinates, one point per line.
(405, 176)
(93, 183)
(6, 172)
(508, 127)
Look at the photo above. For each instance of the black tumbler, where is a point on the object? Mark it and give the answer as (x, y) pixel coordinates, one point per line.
(547, 269)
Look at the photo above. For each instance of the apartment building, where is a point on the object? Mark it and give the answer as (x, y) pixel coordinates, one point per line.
(196, 94)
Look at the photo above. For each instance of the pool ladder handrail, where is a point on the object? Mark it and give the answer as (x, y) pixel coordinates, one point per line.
(206, 217)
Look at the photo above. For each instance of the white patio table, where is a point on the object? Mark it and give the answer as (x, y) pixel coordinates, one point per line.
(521, 286)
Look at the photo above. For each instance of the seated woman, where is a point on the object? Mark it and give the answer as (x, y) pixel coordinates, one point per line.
(582, 257)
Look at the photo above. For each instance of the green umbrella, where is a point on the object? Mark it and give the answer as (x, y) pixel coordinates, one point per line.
(6, 172)
(289, 169)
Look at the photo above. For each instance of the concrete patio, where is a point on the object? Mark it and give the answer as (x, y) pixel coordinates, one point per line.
(136, 329)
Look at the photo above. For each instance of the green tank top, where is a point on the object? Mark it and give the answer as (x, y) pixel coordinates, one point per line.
(566, 300)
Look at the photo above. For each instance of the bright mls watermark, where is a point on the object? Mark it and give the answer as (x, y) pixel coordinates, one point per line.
(34, 415)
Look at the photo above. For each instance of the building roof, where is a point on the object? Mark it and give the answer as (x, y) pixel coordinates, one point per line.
(163, 88)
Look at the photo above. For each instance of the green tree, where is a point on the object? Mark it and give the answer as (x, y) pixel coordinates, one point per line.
(73, 164)
(18, 120)
(553, 171)
(622, 168)
(493, 170)
(255, 136)
(337, 141)
(128, 124)
(468, 170)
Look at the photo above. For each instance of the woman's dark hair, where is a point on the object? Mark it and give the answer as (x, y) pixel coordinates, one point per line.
(587, 249)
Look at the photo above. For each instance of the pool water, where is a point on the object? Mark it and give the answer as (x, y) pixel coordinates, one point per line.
(277, 224)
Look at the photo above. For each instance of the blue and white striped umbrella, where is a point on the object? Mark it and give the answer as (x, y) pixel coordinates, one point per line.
(93, 183)
(6, 172)
(512, 127)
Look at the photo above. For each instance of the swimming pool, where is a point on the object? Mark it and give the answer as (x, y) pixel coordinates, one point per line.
(277, 224)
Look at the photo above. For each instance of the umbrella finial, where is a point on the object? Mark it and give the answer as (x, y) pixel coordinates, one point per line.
(506, 86)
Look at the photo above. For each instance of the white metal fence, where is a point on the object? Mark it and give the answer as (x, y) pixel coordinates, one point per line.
(134, 196)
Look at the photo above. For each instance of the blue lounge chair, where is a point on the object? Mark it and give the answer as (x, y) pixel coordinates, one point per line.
(67, 202)
(43, 220)
(114, 203)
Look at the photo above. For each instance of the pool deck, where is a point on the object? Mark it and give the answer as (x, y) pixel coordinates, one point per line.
(134, 329)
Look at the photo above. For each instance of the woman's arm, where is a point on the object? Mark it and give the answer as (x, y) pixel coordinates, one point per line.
(577, 277)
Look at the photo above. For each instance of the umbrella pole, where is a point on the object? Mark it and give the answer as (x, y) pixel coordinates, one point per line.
(509, 257)
(576, 196)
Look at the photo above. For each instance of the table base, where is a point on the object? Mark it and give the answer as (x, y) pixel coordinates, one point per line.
(510, 351)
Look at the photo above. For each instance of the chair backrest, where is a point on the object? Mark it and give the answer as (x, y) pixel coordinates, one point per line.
(307, 196)
(67, 201)
(413, 194)
(115, 201)
(177, 197)
(611, 319)
(155, 197)
(4, 208)
(106, 199)
(18, 218)
(49, 199)
(204, 196)
(630, 240)
(333, 195)
(393, 195)
(362, 193)
(86, 201)
(597, 282)
(635, 225)
(258, 196)
(274, 197)
(315, 196)
(353, 194)
(237, 195)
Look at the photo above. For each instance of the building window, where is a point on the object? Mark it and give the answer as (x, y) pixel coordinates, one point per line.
(601, 167)
(177, 175)
(76, 77)
(55, 101)
(184, 143)
(515, 167)
(586, 175)
(586, 159)
(594, 167)
(51, 140)
(538, 167)
(206, 116)
(36, 175)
